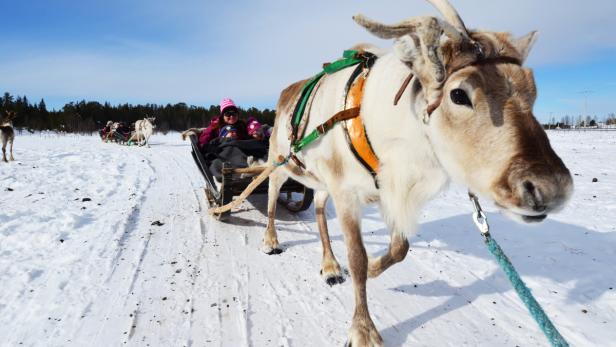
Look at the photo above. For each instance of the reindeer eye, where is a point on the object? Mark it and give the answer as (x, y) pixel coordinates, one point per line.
(459, 97)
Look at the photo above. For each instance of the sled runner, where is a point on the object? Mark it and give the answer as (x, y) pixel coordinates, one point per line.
(296, 198)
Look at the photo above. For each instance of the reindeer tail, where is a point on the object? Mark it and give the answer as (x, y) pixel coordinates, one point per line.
(251, 187)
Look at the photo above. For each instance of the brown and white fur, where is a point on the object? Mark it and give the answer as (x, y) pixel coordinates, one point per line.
(466, 115)
(143, 130)
(191, 131)
(7, 134)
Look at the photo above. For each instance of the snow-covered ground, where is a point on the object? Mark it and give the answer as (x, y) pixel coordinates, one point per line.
(81, 263)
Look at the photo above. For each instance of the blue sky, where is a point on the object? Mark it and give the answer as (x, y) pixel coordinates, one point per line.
(201, 51)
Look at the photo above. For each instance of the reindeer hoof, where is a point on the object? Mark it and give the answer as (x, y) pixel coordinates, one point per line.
(270, 243)
(332, 274)
(271, 250)
(275, 251)
(333, 280)
(364, 334)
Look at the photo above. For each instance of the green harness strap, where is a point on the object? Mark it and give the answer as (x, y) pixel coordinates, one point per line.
(299, 145)
(349, 58)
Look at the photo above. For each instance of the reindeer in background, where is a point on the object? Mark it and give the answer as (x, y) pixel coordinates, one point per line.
(144, 128)
(7, 133)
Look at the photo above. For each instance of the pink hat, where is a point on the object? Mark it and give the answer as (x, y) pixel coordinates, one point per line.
(226, 103)
(253, 126)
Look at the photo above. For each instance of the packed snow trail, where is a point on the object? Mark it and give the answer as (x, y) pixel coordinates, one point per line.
(106, 245)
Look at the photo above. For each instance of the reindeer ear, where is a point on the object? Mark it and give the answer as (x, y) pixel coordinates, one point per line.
(406, 49)
(525, 43)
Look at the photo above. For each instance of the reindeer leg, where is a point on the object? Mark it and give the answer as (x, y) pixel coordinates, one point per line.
(330, 269)
(398, 248)
(12, 158)
(362, 332)
(4, 152)
(270, 238)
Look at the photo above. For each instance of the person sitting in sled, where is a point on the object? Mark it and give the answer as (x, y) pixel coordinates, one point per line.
(228, 132)
(106, 130)
(228, 149)
(229, 115)
(257, 130)
(123, 129)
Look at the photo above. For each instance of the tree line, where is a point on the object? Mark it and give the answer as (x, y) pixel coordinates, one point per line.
(567, 122)
(89, 116)
(86, 117)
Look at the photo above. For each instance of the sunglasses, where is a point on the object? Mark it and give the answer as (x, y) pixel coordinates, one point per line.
(231, 114)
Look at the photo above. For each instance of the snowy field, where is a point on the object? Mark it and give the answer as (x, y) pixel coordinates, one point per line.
(82, 264)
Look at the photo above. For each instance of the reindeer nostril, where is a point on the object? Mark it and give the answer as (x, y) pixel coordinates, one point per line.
(533, 197)
(529, 187)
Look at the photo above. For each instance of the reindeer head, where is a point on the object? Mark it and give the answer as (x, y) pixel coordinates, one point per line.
(476, 99)
(8, 118)
(151, 120)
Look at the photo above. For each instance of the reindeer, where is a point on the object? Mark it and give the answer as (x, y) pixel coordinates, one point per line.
(464, 112)
(143, 130)
(7, 133)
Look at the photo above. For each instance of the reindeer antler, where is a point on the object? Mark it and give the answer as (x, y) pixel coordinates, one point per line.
(419, 44)
(451, 16)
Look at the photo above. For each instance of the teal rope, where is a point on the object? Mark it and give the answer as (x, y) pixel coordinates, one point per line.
(525, 295)
(284, 162)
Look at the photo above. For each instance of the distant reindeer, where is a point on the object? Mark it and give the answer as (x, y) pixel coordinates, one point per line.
(7, 133)
(143, 130)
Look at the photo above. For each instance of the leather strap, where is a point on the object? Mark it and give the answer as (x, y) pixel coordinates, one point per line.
(403, 88)
(340, 116)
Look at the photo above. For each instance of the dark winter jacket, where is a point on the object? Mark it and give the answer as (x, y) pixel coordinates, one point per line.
(211, 132)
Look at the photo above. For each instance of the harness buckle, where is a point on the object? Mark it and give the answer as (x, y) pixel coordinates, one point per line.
(321, 129)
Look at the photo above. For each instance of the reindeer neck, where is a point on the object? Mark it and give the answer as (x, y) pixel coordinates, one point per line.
(386, 122)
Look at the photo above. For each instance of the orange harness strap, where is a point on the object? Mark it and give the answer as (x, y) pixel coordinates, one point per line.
(356, 132)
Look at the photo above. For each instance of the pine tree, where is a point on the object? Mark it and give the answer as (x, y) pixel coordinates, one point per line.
(42, 107)
(7, 101)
